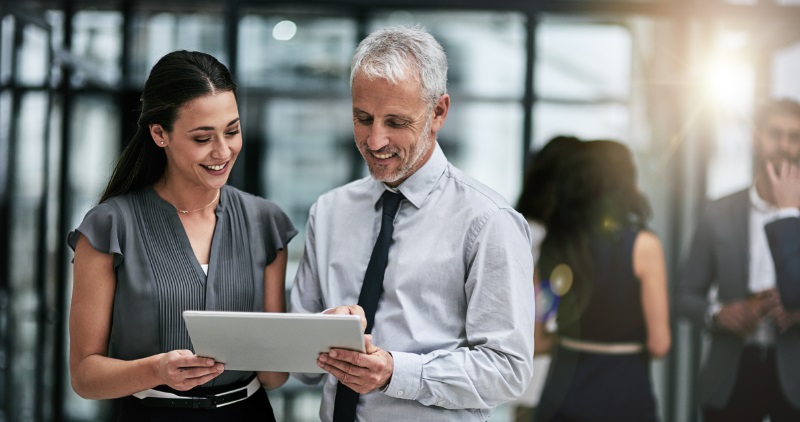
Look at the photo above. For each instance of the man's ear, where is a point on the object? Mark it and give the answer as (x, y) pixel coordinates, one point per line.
(440, 110)
(159, 135)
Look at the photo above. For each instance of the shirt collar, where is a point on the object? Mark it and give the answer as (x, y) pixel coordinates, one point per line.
(759, 203)
(420, 184)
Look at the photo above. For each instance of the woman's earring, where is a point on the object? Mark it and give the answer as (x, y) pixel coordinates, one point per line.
(162, 142)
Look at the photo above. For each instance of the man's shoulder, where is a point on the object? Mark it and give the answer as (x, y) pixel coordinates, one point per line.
(348, 192)
(476, 192)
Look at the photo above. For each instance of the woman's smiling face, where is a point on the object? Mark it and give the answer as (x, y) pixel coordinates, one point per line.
(204, 142)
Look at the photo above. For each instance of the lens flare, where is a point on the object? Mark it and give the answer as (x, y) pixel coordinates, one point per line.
(561, 279)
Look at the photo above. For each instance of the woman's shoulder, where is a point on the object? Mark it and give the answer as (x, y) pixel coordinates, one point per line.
(116, 205)
(249, 201)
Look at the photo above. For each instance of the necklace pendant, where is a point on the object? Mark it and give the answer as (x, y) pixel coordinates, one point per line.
(183, 212)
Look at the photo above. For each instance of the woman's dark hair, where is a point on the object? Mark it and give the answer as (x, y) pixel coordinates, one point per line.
(537, 196)
(177, 78)
(595, 194)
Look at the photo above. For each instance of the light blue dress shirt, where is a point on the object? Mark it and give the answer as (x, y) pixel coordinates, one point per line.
(457, 310)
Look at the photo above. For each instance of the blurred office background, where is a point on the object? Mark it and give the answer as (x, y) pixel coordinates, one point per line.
(676, 80)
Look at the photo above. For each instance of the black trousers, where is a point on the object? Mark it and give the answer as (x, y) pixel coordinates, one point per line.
(253, 408)
(757, 392)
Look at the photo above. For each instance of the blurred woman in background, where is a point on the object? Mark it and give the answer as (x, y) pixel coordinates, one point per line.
(607, 275)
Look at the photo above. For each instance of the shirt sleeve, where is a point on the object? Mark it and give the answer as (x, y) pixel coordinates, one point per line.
(103, 227)
(783, 236)
(278, 230)
(306, 296)
(496, 363)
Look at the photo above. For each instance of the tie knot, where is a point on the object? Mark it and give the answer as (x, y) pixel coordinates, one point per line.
(391, 202)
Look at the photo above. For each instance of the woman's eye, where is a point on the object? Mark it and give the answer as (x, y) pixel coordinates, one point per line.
(233, 132)
(202, 141)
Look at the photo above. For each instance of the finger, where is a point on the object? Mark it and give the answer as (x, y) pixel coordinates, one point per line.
(194, 382)
(771, 174)
(339, 310)
(201, 371)
(196, 361)
(336, 368)
(368, 346)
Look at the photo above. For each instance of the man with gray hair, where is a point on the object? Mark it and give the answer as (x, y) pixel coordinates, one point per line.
(439, 264)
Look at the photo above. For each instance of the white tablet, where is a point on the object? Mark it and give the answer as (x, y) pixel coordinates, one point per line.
(265, 341)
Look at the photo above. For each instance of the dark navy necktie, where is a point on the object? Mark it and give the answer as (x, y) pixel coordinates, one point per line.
(344, 409)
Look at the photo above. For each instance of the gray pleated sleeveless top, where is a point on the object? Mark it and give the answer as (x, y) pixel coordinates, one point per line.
(158, 275)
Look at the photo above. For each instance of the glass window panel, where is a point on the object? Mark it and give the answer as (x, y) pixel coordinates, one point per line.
(296, 52)
(160, 33)
(785, 68)
(5, 140)
(6, 51)
(97, 46)
(95, 125)
(730, 165)
(485, 141)
(305, 160)
(33, 60)
(25, 205)
(583, 61)
(485, 50)
(587, 121)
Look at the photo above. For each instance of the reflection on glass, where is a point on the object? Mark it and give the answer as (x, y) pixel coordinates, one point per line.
(583, 61)
(160, 33)
(296, 52)
(97, 46)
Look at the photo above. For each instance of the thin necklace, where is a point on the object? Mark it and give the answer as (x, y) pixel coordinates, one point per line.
(199, 209)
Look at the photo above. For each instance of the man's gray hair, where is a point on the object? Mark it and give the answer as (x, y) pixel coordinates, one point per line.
(400, 53)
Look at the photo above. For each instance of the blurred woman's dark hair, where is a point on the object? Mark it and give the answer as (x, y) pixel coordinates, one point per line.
(177, 78)
(596, 194)
(537, 196)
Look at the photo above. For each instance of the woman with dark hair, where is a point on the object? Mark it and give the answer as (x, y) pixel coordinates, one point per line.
(169, 235)
(608, 274)
(535, 203)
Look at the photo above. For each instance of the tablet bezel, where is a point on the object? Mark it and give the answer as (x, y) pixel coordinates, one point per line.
(269, 341)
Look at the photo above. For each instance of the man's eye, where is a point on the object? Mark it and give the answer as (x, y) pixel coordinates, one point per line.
(396, 123)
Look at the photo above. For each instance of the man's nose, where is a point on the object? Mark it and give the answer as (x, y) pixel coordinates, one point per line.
(378, 137)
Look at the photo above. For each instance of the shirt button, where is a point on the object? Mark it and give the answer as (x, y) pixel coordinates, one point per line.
(439, 403)
(400, 393)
